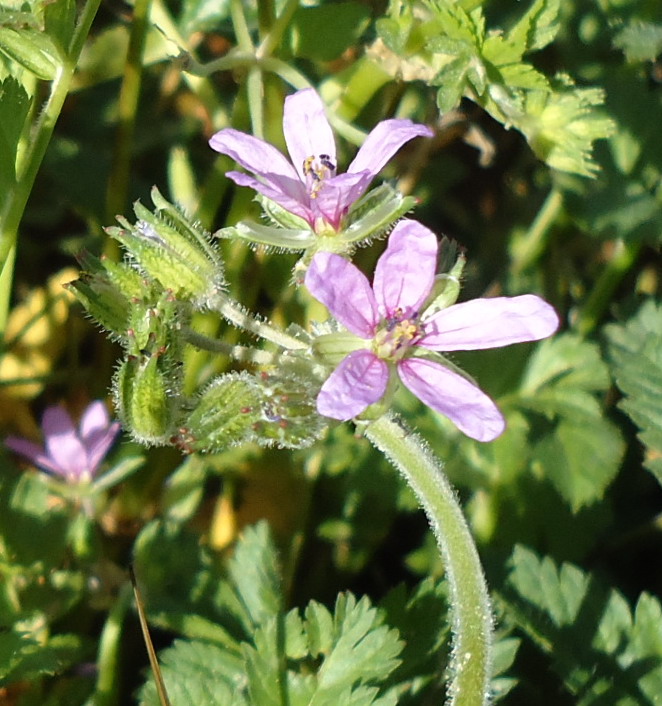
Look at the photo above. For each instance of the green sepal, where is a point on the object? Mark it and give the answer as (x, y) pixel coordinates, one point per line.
(103, 302)
(289, 417)
(294, 240)
(280, 216)
(224, 414)
(375, 213)
(331, 348)
(446, 288)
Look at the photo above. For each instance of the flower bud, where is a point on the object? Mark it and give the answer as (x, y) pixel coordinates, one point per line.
(173, 252)
(143, 399)
(446, 288)
(224, 414)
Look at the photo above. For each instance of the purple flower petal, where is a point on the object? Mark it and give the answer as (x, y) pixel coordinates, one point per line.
(99, 444)
(490, 323)
(95, 419)
(306, 129)
(289, 194)
(359, 381)
(383, 142)
(345, 291)
(405, 272)
(470, 409)
(256, 155)
(62, 443)
(337, 195)
(33, 452)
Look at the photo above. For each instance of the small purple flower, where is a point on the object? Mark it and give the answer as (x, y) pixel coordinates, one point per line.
(395, 332)
(308, 186)
(73, 454)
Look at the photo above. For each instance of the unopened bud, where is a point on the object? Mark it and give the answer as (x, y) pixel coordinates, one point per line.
(225, 413)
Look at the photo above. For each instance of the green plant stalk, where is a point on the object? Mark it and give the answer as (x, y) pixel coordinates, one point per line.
(107, 687)
(278, 29)
(531, 246)
(38, 142)
(118, 181)
(624, 258)
(470, 665)
(242, 354)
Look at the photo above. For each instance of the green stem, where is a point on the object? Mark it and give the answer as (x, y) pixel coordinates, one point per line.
(241, 318)
(273, 39)
(39, 139)
(242, 354)
(625, 256)
(107, 688)
(118, 181)
(532, 245)
(288, 73)
(469, 599)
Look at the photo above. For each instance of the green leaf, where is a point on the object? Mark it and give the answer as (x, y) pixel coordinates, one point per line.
(14, 106)
(60, 21)
(324, 32)
(31, 49)
(578, 449)
(538, 26)
(197, 673)
(635, 349)
(25, 655)
(602, 653)
(203, 15)
(640, 41)
(255, 573)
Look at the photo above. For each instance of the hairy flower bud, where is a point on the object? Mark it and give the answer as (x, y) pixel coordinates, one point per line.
(172, 251)
(224, 414)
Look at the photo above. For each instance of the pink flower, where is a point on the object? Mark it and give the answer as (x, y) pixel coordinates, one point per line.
(73, 454)
(395, 332)
(308, 186)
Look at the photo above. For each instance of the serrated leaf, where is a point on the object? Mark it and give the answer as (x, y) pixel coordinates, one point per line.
(197, 673)
(635, 349)
(363, 647)
(539, 25)
(580, 451)
(26, 656)
(602, 654)
(254, 571)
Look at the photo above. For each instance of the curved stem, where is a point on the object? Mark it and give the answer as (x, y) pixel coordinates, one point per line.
(278, 28)
(470, 665)
(241, 318)
(242, 354)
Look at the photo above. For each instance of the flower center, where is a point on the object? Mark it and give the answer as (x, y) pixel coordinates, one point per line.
(396, 335)
(317, 168)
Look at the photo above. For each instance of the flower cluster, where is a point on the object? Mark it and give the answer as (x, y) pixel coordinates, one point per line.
(397, 329)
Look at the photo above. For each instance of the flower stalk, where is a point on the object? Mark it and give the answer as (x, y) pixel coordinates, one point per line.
(471, 661)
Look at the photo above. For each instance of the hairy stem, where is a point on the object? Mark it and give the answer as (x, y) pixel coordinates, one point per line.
(242, 354)
(241, 318)
(470, 666)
